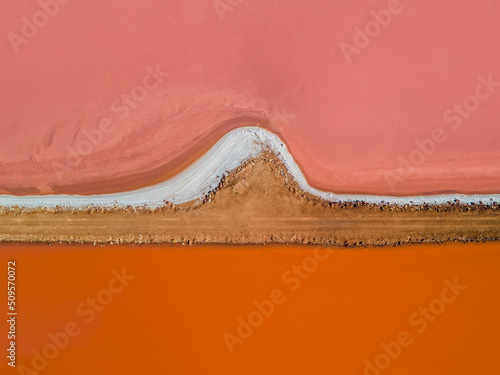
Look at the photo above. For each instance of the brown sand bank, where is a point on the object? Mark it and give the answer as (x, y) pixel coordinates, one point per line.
(258, 203)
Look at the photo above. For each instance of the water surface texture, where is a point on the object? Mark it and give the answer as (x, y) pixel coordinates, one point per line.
(179, 309)
(393, 98)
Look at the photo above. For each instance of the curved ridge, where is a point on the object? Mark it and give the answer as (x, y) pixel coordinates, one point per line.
(231, 151)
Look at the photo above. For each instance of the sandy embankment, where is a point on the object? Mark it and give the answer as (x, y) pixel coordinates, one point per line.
(232, 151)
(258, 203)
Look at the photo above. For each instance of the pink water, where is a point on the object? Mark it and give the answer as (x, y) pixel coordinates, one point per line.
(277, 64)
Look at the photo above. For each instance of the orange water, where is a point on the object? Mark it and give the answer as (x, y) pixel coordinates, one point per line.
(174, 316)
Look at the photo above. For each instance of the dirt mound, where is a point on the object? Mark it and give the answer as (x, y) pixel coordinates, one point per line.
(257, 203)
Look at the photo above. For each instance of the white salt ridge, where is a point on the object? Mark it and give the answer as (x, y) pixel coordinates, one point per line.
(204, 175)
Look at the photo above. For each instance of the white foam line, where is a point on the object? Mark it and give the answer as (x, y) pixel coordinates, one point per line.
(205, 174)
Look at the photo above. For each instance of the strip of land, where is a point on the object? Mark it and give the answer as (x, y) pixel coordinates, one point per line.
(257, 203)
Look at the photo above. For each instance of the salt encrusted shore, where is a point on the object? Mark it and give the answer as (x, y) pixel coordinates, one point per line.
(204, 175)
